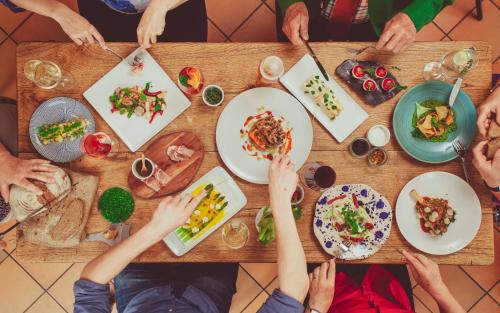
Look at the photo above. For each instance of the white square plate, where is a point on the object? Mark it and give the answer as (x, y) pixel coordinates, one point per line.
(347, 121)
(136, 131)
(227, 187)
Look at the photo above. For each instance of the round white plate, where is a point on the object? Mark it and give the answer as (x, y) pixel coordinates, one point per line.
(247, 103)
(461, 198)
(377, 207)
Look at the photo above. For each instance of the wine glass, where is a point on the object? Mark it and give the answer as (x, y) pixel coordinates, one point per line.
(48, 75)
(98, 145)
(453, 65)
(318, 176)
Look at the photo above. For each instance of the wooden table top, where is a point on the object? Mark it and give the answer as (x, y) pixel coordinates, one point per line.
(234, 67)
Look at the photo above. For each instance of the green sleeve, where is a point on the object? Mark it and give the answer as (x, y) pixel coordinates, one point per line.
(284, 4)
(422, 12)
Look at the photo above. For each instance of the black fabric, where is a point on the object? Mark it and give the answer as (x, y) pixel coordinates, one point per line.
(318, 26)
(186, 23)
(357, 272)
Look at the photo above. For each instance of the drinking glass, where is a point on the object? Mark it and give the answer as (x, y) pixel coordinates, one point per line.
(318, 176)
(453, 65)
(235, 234)
(47, 75)
(270, 70)
(98, 145)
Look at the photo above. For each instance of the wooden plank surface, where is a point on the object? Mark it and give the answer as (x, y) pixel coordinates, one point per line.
(234, 67)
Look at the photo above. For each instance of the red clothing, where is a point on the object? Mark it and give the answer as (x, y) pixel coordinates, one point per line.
(380, 292)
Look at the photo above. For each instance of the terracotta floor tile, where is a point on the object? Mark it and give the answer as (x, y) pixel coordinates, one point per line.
(214, 35)
(62, 290)
(260, 27)
(461, 286)
(246, 291)
(419, 306)
(11, 20)
(430, 32)
(40, 28)
(10, 238)
(487, 276)
(7, 80)
(263, 273)
(487, 304)
(425, 298)
(228, 20)
(3, 255)
(495, 292)
(45, 304)
(257, 303)
(272, 4)
(20, 292)
(272, 286)
(3, 35)
(446, 39)
(452, 14)
(45, 273)
(472, 29)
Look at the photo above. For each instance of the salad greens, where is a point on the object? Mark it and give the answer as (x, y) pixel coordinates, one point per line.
(442, 127)
(267, 231)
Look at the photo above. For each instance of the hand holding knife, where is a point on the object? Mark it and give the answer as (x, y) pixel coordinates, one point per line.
(318, 63)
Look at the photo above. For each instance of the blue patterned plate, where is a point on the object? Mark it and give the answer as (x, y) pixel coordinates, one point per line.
(377, 207)
(56, 110)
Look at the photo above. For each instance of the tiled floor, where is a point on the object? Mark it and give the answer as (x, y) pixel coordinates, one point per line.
(48, 287)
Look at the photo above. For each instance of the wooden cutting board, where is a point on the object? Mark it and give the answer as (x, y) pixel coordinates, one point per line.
(182, 173)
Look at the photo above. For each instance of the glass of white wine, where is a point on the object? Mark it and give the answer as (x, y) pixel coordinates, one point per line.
(235, 234)
(453, 65)
(47, 75)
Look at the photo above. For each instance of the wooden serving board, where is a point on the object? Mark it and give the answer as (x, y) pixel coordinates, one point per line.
(182, 173)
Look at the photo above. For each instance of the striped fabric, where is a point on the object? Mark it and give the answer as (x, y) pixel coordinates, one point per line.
(361, 16)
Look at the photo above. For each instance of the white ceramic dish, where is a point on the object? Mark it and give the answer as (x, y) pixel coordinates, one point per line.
(136, 131)
(247, 103)
(461, 197)
(348, 120)
(235, 197)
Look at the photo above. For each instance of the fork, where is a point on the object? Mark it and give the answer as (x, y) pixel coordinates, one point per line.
(461, 151)
(359, 51)
(344, 247)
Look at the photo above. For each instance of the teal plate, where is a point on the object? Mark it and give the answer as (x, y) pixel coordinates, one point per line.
(426, 151)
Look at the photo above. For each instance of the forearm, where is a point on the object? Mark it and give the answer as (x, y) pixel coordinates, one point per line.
(284, 4)
(106, 266)
(292, 267)
(3, 150)
(166, 5)
(446, 302)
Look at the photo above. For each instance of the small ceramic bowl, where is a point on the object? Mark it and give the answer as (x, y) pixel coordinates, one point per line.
(378, 135)
(138, 174)
(300, 189)
(205, 98)
(382, 152)
(361, 139)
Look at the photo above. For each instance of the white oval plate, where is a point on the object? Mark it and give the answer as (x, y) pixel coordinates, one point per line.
(461, 198)
(247, 103)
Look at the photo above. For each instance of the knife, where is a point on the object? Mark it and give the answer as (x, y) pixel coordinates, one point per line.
(318, 63)
(454, 92)
(2, 234)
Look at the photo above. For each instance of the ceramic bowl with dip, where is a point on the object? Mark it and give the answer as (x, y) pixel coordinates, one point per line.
(137, 166)
(378, 135)
(377, 157)
(213, 95)
(359, 147)
(298, 194)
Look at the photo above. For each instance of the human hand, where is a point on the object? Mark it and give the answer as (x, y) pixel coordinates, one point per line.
(152, 23)
(399, 32)
(15, 171)
(426, 273)
(282, 180)
(77, 27)
(172, 212)
(296, 22)
(322, 287)
(486, 111)
(489, 169)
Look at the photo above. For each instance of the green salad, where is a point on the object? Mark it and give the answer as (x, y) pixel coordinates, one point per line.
(267, 231)
(433, 121)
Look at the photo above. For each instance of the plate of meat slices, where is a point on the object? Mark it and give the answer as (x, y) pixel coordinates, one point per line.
(438, 213)
(259, 124)
(352, 221)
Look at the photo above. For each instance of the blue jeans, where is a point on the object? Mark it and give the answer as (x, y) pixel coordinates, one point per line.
(217, 280)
